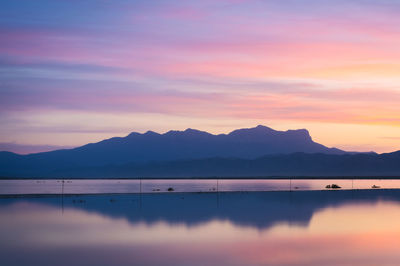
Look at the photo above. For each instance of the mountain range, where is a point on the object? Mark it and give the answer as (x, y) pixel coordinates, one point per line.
(258, 151)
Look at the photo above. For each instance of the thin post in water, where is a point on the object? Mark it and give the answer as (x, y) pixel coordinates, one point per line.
(62, 196)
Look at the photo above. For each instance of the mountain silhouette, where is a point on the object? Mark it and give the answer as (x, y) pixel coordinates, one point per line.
(289, 165)
(191, 144)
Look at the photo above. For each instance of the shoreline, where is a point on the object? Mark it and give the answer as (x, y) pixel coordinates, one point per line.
(213, 178)
(43, 195)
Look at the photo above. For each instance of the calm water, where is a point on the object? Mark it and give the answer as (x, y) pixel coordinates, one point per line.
(347, 227)
(158, 186)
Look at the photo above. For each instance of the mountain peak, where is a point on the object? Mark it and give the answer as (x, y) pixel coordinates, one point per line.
(133, 134)
(299, 132)
(187, 132)
(258, 130)
(262, 127)
(193, 131)
(151, 133)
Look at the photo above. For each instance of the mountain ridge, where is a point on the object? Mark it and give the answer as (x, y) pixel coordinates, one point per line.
(250, 133)
(278, 165)
(190, 144)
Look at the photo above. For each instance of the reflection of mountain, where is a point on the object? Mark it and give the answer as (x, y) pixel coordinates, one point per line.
(255, 209)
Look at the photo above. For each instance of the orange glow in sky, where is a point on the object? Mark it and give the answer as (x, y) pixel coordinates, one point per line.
(107, 69)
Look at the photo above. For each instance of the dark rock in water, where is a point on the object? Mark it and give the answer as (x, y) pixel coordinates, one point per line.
(335, 186)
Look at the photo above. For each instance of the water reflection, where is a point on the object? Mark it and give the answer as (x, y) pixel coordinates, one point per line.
(103, 186)
(275, 228)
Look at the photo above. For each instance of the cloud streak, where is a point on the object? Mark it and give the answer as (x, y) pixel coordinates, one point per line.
(303, 61)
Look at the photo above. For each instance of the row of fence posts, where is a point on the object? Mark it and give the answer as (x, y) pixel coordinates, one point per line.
(140, 190)
(140, 187)
(290, 185)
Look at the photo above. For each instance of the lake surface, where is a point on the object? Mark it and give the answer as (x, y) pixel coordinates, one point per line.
(345, 227)
(98, 186)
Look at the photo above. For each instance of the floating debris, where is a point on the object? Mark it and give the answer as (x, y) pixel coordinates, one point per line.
(334, 186)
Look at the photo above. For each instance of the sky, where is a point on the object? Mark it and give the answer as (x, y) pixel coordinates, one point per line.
(74, 72)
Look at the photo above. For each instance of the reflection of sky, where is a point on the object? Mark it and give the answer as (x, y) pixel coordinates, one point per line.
(74, 72)
(354, 231)
(100, 186)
